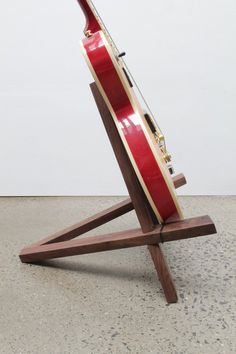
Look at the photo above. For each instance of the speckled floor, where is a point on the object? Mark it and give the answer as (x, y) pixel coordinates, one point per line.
(112, 302)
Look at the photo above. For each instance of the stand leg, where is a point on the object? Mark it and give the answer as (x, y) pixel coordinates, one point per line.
(130, 238)
(109, 242)
(163, 273)
(88, 224)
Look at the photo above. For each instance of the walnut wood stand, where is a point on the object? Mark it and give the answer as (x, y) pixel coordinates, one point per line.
(150, 232)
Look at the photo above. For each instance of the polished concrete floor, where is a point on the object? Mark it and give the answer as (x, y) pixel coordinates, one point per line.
(112, 302)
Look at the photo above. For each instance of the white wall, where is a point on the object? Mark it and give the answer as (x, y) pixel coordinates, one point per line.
(182, 53)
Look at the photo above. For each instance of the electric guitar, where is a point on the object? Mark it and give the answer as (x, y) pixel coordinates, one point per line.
(142, 138)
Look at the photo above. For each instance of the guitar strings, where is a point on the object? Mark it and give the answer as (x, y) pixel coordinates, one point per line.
(126, 66)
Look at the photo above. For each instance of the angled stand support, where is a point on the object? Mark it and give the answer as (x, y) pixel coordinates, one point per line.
(150, 232)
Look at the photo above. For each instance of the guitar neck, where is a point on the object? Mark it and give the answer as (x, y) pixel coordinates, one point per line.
(93, 24)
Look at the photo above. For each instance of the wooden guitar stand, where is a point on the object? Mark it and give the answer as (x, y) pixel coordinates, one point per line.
(150, 232)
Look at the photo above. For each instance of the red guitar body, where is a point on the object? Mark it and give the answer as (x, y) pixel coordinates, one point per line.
(144, 153)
